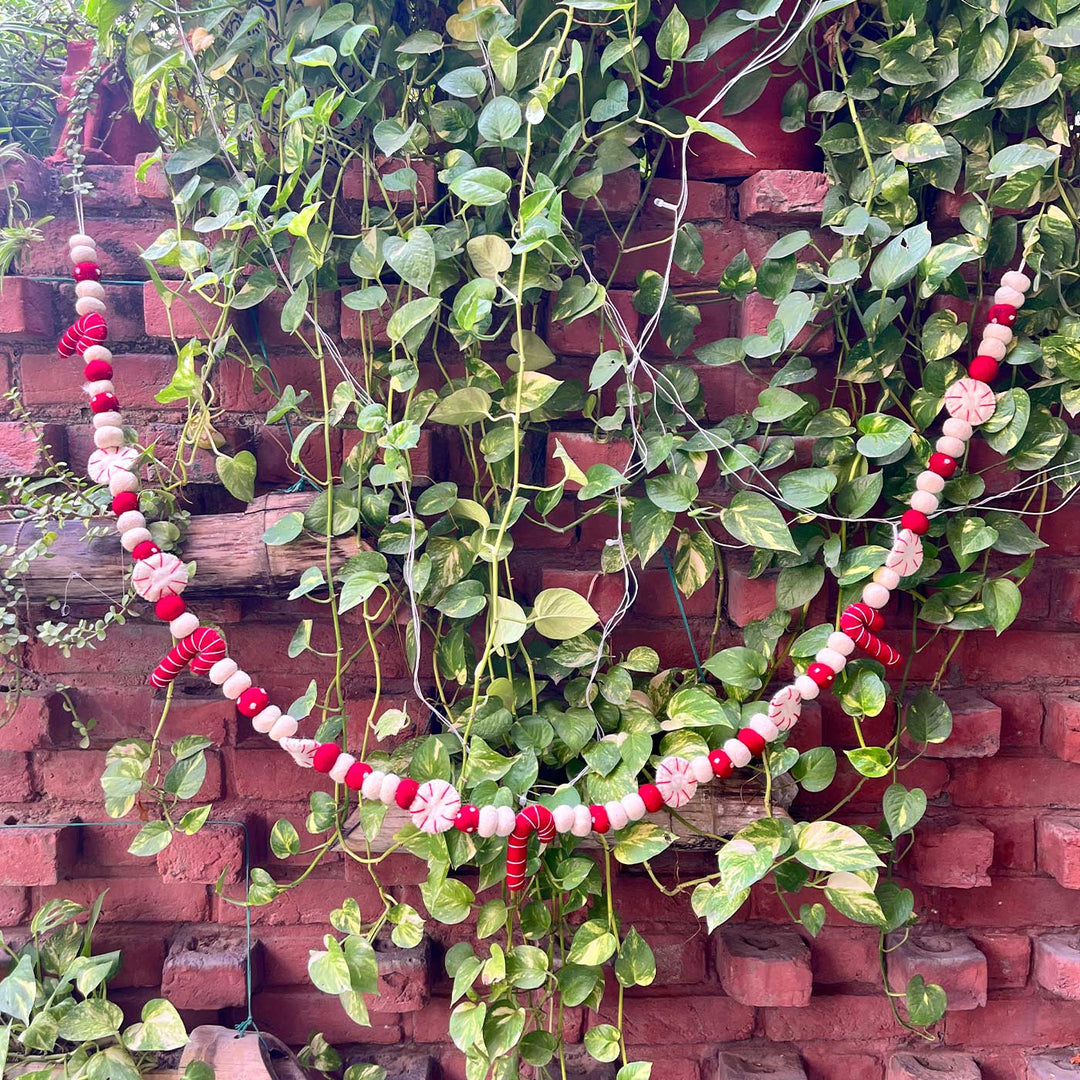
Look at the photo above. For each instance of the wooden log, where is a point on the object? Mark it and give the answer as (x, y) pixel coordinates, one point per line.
(235, 1055)
(716, 811)
(230, 556)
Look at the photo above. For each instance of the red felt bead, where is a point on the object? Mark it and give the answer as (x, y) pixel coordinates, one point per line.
(104, 403)
(651, 797)
(325, 756)
(354, 778)
(467, 818)
(752, 740)
(169, 608)
(252, 702)
(145, 550)
(406, 792)
(600, 821)
(914, 520)
(984, 368)
(86, 271)
(125, 501)
(97, 369)
(721, 764)
(942, 464)
(822, 674)
(1002, 314)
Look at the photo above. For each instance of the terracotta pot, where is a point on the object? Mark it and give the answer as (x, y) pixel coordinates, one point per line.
(758, 125)
(111, 133)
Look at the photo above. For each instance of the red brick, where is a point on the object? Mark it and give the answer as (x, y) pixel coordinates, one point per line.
(36, 721)
(1008, 958)
(269, 316)
(833, 1016)
(189, 315)
(1013, 1020)
(679, 955)
(303, 904)
(1058, 840)
(62, 773)
(142, 950)
(680, 1021)
(592, 334)
(1014, 838)
(112, 188)
(655, 593)
(764, 965)
(953, 856)
(618, 197)
(757, 311)
(748, 598)
(207, 969)
(1056, 964)
(1018, 656)
(273, 455)
(1013, 902)
(1014, 781)
(1061, 732)
(21, 450)
(1021, 716)
(706, 201)
(783, 197)
(14, 778)
(26, 308)
(976, 728)
(133, 899)
(120, 247)
(1061, 530)
(842, 955)
(155, 185)
(353, 183)
(827, 1061)
(294, 1015)
(30, 856)
(759, 1060)
(1053, 1065)
(212, 851)
(946, 958)
(931, 1065)
(34, 181)
(14, 905)
(403, 980)
(585, 451)
(133, 712)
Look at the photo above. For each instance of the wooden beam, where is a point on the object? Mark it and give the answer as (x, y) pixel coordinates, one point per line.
(231, 558)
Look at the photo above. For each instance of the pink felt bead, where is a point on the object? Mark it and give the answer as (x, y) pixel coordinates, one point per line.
(807, 688)
(1012, 297)
(926, 502)
(930, 481)
(957, 428)
(886, 576)
(997, 332)
(875, 595)
(1015, 279)
(993, 347)
(830, 659)
(760, 723)
(839, 642)
(949, 446)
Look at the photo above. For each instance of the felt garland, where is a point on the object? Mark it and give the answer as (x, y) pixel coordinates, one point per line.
(435, 806)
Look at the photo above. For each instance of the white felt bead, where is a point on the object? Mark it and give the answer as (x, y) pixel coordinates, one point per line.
(996, 332)
(284, 728)
(993, 347)
(487, 821)
(222, 671)
(760, 723)
(1015, 279)
(957, 429)
(582, 821)
(738, 752)
(130, 540)
(372, 785)
(106, 437)
(617, 816)
(94, 289)
(808, 689)
(388, 788)
(839, 642)
(107, 419)
(926, 502)
(236, 684)
(89, 305)
(875, 595)
(564, 818)
(83, 253)
(263, 721)
(949, 446)
(634, 805)
(130, 519)
(101, 386)
(507, 821)
(887, 576)
(701, 769)
(930, 481)
(340, 767)
(831, 659)
(183, 625)
(97, 352)
(123, 480)
(1012, 297)
(80, 240)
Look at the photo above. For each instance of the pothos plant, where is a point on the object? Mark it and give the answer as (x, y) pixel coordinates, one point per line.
(477, 136)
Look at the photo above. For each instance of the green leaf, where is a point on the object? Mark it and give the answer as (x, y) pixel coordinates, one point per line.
(328, 969)
(1032, 80)
(737, 666)
(903, 808)
(673, 37)
(593, 944)
(18, 990)
(926, 1002)
(853, 897)
(482, 186)
(284, 530)
(603, 1042)
(921, 143)
(671, 492)
(806, 488)
(716, 904)
(649, 528)
(237, 474)
(93, 1018)
(828, 845)
(561, 614)
(284, 839)
(462, 407)
(882, 434)
(153, 837)
(160, 1028)
(635, 964)
(872, 761)
(929, 718)
(499, 120)
(899, 259)
(408, 319)
(412, 258)
(753, 519)
(1002, 600)
(640, 842)
(815, 768)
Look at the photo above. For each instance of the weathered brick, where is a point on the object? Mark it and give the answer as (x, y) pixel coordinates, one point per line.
(748, 598)
(1014, 1019)
(14, 905)
(15, 786)
(832, 1016)
(355, 184)
(617, 198)
(294, 1015)
(26, 308)
(269, 316)
(403, 980)
(37, 720)
(188, 315)
(706, 200)
(757, 311)
(759, 1060)
(932, 1065)
(1054, 1065)
(36, 856)
(134, 899)
(1058, 840)
(1061, 731)
(592, 334)
(764, 965)
(1008, 957)
(23, 449)
(1057, 964)
(953, 856)
(585, 451)
(976, 728)
(943, 957)
(214, 851)
(207, 969)
(154, 187)
(783, 197)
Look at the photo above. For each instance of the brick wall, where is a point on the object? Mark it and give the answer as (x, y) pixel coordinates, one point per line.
(995, 867)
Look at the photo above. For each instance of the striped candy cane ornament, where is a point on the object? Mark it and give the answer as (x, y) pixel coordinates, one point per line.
(534, 818)
(201, 649)
(860, 622)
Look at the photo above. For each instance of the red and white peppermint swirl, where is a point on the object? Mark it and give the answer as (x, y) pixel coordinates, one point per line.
(435, 806)
(159, 575)
(676, 781)
(970, 400)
